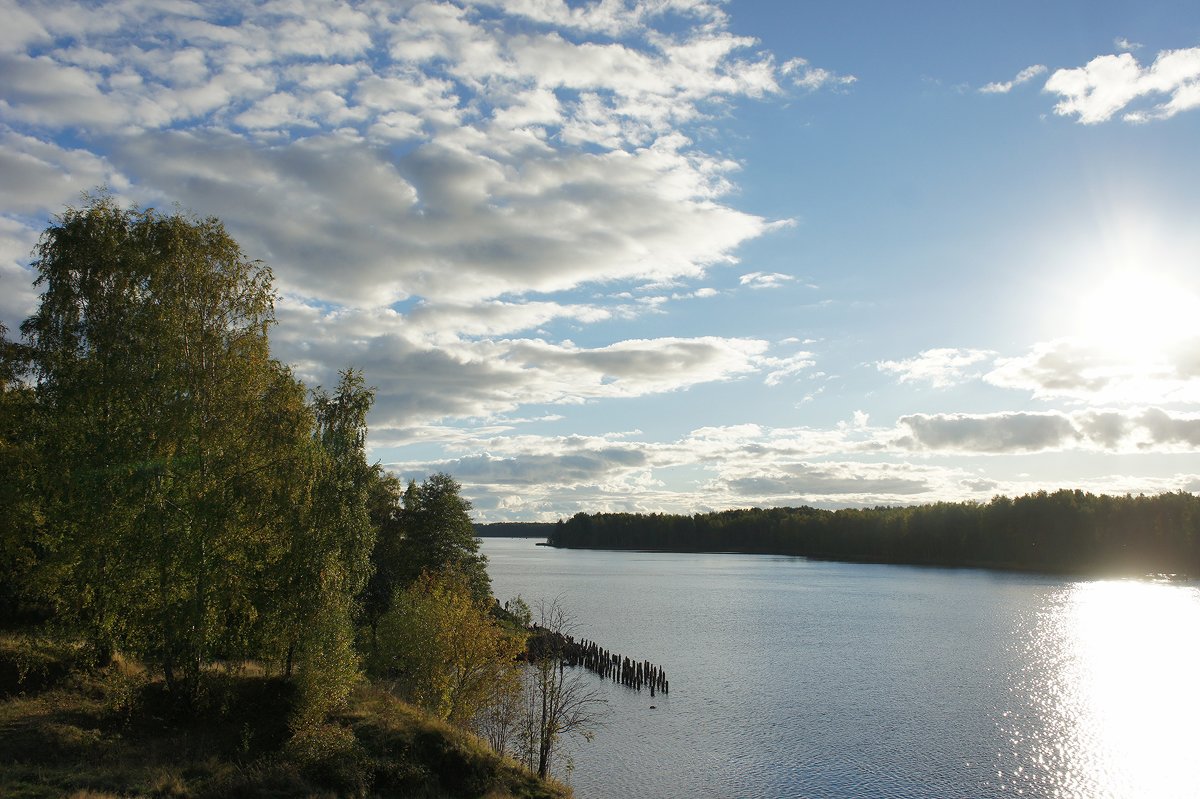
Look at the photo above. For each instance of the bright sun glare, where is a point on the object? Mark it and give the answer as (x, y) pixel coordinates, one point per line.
(1136, 314)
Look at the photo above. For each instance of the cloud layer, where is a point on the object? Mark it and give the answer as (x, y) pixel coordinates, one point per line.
(372, 153)
(484, 205)
(427, 180)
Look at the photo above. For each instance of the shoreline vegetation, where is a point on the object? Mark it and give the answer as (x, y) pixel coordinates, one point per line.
(71, 729)
(205, 587)
(1065, 532)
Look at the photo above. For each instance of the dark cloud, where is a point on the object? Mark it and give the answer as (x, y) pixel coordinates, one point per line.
(859, 479)
(994, 433)
(567, 469)
(1107, 428)
(1166, 429)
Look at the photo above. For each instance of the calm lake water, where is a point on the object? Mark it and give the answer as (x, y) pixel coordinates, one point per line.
(796, 678)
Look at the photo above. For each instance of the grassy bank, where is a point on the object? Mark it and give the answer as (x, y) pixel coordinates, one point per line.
(113, 732)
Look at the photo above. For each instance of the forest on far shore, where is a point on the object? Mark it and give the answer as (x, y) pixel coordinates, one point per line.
(1066, 532)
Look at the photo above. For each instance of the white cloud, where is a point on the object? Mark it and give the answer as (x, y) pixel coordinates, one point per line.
(1108, 84)
(811, 78)
(424, 373)
(725, 467)
(371, 154)
(940, 367)
(1121, 43)
(581, 467)
(1165, 429)
(779, 369)
(40, 175)
(527, 475)
(765, 280)
(804, 483)
(20, 28)
(610, 17)
(1098, 375)
(1024, 76)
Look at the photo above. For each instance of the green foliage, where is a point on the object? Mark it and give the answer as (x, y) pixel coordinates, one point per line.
(175, 498)
(444, 650)
(330, 560)
(438, 534)
(385, 511)
(158, 444)
(20, 508)
(519, 610)
(330, 756)
(193, 505)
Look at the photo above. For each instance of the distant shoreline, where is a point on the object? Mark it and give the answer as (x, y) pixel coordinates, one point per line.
(928, 564)
(1064, 533)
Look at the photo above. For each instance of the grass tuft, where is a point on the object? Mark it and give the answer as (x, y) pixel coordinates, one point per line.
(116, 732)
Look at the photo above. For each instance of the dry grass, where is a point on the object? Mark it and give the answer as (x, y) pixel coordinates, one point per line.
(110, 733)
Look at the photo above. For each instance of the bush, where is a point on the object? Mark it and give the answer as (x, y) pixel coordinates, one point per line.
(330, 756)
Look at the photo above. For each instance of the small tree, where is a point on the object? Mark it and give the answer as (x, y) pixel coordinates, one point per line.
(444, 650)
(558, 703)
(501, 720)
(385, 510)
(438, 535)
(331, 554)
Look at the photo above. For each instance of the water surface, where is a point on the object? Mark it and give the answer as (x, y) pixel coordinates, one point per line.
(796, 678)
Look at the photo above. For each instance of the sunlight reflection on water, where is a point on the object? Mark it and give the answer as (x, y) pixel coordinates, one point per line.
(793, 678)
(1112, 674)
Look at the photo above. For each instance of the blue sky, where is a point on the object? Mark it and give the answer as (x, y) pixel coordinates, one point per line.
(673, 255)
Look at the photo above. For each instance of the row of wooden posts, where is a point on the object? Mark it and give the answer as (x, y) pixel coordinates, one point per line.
(608, 665)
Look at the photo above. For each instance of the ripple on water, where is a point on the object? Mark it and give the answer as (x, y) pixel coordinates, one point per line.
(799, 679)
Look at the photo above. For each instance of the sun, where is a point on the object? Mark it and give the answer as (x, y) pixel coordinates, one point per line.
(1136, 313)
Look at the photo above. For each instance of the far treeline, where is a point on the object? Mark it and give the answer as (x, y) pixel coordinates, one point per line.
(1067, 532)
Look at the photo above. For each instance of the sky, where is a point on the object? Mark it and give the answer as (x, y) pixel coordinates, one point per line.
(672, 255)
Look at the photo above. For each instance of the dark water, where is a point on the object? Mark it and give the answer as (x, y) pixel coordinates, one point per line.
(792, 678)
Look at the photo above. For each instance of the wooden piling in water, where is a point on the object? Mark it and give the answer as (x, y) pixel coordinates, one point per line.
(604, 663)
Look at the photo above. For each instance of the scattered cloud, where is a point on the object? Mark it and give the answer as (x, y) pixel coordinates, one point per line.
(812, 78)
(373, 153)
(800, 483)
(546, 469)
(781, 368)
(988, 433)
(462, 199)
(1024, 76)
(940, 367)
(1109, 84)
(511, 474)
(1163, 428)
(1152, 429)
(18, 298)
(424, 374)
(765, 280)
(1121, 43)
(1084, 372)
